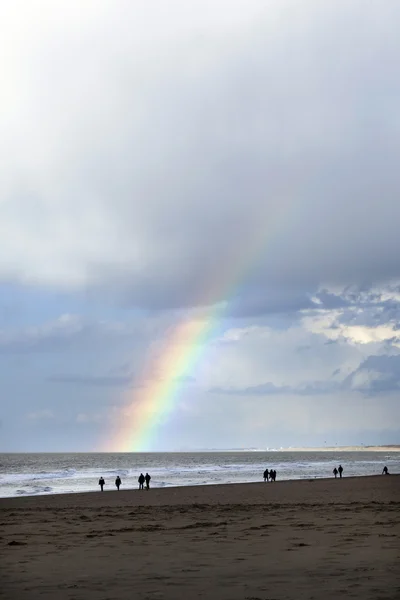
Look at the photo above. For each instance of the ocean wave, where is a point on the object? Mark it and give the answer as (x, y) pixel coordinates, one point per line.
(115, 472)
(34, 490)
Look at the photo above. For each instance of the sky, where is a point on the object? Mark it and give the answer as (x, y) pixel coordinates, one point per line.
(228, 167)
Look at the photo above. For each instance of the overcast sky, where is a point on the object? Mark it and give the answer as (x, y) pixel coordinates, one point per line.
(159, 159)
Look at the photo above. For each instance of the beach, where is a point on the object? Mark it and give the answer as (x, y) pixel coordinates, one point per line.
(298, 540)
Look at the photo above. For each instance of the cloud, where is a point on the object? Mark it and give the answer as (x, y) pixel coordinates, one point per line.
(304, 348)
(376, 375)
(240, 164)
(361, 316)
(269, 389)
(250, 358)
(42, 337)
(40, 415)
(249, 378)
(84, 418)
(264, 389)
(93, 380)
(71, 330)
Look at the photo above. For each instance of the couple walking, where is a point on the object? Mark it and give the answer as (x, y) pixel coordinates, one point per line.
(144, 478)
(102, 482)
(339, 470)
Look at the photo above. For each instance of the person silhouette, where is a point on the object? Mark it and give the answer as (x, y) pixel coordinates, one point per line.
(340, 469)
(266, 475)
(335, 472)
(147, 479)
(118, 482)
(101, 483)
(273, 475)
(141, 481)
(385, 471)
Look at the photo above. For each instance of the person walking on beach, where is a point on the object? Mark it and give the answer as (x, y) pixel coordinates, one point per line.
(335, 472)
(118, 482)
(101, 483)
(385, 471)
(340, 469)
(273, 475)
(141, 481)
(266, 475)
(147, 479)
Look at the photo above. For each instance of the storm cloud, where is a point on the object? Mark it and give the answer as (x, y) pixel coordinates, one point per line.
(146, 134)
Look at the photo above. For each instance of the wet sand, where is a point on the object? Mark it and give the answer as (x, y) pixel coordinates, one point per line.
(319, 539)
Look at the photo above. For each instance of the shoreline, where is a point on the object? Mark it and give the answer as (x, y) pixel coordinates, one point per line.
(222, 490)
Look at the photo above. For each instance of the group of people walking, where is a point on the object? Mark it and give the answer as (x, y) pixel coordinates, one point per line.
(269, 475)
(339, 471)
(143, 479)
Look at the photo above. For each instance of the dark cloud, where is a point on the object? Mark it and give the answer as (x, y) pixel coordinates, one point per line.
(276, 300)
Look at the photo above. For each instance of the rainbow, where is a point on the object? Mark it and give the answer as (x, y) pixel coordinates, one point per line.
(168, 367)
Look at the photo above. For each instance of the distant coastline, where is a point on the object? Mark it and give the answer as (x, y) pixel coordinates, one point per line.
(389, 448)
(363, 448)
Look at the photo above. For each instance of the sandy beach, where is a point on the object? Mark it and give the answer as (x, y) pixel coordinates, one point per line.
(298, 540)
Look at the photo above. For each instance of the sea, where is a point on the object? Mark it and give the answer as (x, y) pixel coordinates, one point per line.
(38, 474)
